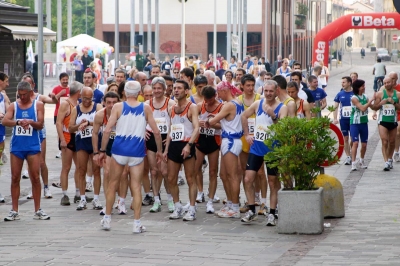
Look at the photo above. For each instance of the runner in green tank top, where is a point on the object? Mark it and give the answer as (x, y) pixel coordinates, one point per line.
(387, 102)
(359, 122)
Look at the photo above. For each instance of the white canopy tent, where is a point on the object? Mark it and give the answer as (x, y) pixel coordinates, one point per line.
(77, 43)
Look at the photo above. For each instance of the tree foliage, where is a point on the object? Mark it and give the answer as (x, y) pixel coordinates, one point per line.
(78, 15)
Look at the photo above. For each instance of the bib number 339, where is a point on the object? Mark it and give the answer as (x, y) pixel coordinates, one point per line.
(177, 132)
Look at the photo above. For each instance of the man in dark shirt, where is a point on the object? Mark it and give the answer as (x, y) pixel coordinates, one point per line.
(140, 61)
(86, 59)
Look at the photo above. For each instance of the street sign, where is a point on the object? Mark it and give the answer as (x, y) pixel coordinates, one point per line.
(394, 37)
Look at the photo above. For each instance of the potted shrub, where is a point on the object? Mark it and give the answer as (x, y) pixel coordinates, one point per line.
(301, 16)
(300, 146)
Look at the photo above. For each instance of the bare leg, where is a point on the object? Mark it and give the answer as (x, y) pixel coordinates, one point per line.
(44, 171)
(136, 174)
(188, 165)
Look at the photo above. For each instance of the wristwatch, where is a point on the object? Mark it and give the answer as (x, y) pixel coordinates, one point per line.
(17, 122)
(190, 144)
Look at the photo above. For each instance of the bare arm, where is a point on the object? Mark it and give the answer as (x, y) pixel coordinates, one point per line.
(8, 120)
(62, 113)
(225, 111)
(73, 127)
(357, 103)
(292, 108)
(323, 103)
(115, 113)
(98, 121)
(335, 113)
(307, 110)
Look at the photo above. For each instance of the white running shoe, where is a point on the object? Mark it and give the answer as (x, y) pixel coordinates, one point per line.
(271, 220)
(390, 161)
(387, 167)
(12, 216)
(210, 208)
(186, 207)
(362, 164)
(200, 197)
(216, 199)
(121, 208)
(354, 166)
(229, 214)
(25, 174)
(47, 193)
(89, 187)
(106, 223)
(82, 205)
(2, 199)
(396, 157)
(347, 161)
(41, 215)
(249, 217)
(138, 228)
(225, 208)
(177, 214)
(190, 216)
(4, 158)
(30, 196)
(58, 155)
(97, 204)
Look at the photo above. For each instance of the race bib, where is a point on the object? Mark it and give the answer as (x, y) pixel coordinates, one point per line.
(251, 122)
(20, 131)
(388, 110)
(177, 132)
(112, 135)
(207, 131)
(260, 133)
(162, 125)
(346, 111)
(87, 132)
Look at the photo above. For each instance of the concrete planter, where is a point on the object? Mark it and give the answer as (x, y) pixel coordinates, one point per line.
(301, 212)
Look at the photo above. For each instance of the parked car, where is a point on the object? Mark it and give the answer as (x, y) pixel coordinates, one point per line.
(383, 54)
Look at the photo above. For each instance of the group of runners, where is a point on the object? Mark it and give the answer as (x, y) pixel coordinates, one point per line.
(147, 129)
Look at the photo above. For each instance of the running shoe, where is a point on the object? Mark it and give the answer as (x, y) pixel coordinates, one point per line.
(354, 166)
(216, 199)
(200, 197)
(77, 199)
(225, 208)
(138, 228)
(82, 205)
(65, 201)
(271, 220)
(190, 216)
(25, 174)
(177, 214)
(181, 181)
(102, 212)
(106, 223)
(263, 210)
(97, 204)
(41, 215)
(229, 214)
(387, 167)
(171, 206)
(4, 158)
(347, 161)
(156, 207)
(47, 193)
(56, 184)
(362, 164)
(390, 163)
(89, 199)
(89, 187)
(30, 196)
(2, 199)
(12, 216)
(148, 200)
(210, 208)
(121, 208)
(249, 217)
(58, 155)
(396, 157)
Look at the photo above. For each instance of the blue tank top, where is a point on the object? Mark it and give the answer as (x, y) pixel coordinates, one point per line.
(21, 139)
(233, 129)
(83, 139)
(263, 121)
(130, 132)
(3, 111)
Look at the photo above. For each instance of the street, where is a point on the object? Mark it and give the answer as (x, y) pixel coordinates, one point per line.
(367, 235)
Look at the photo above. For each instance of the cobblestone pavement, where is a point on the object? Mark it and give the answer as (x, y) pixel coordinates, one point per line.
(368, 235)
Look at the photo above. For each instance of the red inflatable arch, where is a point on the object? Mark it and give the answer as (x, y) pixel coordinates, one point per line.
(351, 21)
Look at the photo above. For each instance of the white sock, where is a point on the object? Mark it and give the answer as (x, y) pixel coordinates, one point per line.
(169, 197)
(192, 208)
(121, 200)
(157, 199)
(210, 200)
(83, 197)
(235, 207)
(229, 203)
(96, 197)
(64, 192)
(88, 179)
(136, 221)
(178, 205)
(107, 216)
(77, 192)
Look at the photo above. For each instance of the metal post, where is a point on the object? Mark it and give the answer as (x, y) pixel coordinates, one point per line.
(229, 31)
(266, 39)
(292, 27)
(183, 36)
(240, 30)
(36, 4)
(59, 21)
(215, 36)
(116, 48)
(234, 20)
(141, 24)
(244, 28)
(48, 24)
(40, 47)
(69, 19)
(149, 25)
(157, 31)
(86, 17)
(132, 25)
(280, 28)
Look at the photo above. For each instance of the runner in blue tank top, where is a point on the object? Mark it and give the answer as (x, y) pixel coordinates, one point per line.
(267, 112)
(27, 118)
(81, 123)
(128, 149)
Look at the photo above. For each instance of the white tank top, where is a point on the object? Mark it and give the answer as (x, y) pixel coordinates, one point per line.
(181, 126)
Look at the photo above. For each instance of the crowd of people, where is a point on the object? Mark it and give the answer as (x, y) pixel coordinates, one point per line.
(155, 128)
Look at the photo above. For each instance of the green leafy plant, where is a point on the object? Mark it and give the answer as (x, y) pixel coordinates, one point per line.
(302, 9)
(299, 147)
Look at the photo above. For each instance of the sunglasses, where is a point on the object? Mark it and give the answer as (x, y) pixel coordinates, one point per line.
(176, 72)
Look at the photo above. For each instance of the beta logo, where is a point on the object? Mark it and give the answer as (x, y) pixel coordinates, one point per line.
(369, 21)
(320, 51)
